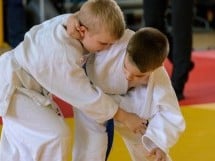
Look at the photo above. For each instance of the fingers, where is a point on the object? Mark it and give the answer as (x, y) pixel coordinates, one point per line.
(157, 154)
(145, 122)
(140, 131)
(136, 124)
(160, 159)
(142, 128)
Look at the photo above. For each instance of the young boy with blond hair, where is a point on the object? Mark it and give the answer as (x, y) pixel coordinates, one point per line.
(134, 64)
(50, 61)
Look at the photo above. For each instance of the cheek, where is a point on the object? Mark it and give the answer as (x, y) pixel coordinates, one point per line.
(89, 43)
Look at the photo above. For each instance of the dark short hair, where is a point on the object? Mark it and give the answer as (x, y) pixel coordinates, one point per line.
(147, 49)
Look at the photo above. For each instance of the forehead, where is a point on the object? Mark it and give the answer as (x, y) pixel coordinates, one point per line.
(105, 37)
(131, 67)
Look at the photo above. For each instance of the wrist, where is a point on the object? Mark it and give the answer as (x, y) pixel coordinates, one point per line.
(120, 115)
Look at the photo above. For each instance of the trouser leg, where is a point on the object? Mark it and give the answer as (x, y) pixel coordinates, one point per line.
(33, 133)
(155, 16)
(90, 141)
(182, 14)
(15, 21)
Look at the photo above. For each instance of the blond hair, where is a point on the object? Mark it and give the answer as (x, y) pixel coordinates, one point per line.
(147, 49)
(102, 14)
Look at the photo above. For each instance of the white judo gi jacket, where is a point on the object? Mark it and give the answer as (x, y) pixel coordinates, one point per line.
(49, 59)
(155, 101)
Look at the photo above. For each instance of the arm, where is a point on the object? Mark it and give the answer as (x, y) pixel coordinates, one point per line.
(50, 56)
(158, 103)
(133, 122)
(167, 122)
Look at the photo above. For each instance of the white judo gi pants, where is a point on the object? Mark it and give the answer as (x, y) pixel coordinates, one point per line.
(91, 140)
(33, 133)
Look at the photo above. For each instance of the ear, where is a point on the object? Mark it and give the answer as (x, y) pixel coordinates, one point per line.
(82, 30)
